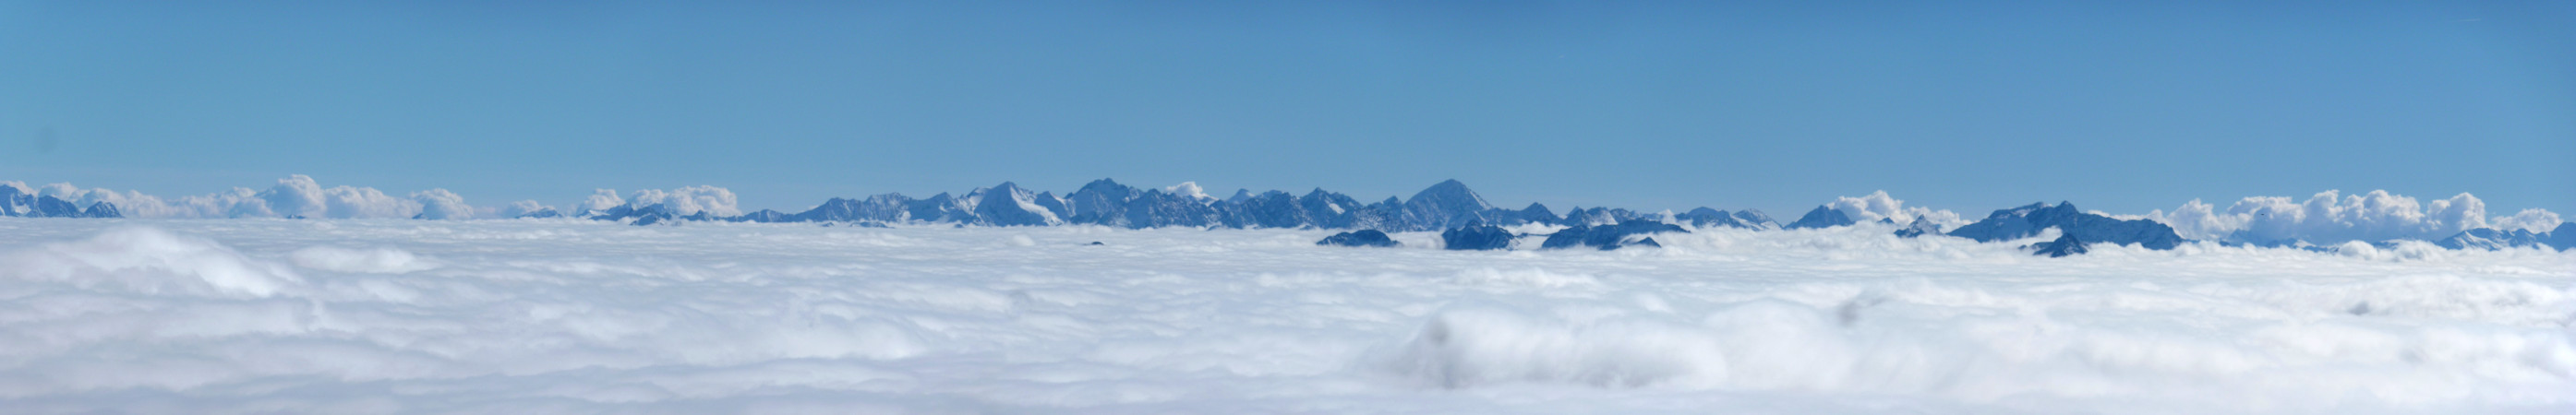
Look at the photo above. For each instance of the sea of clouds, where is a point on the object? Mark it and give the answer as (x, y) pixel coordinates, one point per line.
(571, 316)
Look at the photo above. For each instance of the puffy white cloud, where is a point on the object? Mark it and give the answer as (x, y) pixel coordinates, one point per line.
(2330, 217)
(130, 203)
(514, 209)
(2535, 220)
(1878, 205)
(601, 199)
(301, 196)
(296, 195)
(687, 200)
(1190, 189)
(442, 204)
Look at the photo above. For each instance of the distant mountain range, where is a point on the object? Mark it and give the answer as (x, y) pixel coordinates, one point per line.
(18, 204)
(1473, 222)
(1105, 202)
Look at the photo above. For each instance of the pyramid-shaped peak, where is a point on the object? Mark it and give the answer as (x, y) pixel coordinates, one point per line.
(1451, 195)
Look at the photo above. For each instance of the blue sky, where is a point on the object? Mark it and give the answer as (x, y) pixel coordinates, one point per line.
(1778, 106)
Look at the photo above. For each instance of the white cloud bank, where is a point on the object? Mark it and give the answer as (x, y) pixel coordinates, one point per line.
(1878, 205)
(302, 196)
(587, 317)
(2330, 218)
(294, 196)
(683, 201)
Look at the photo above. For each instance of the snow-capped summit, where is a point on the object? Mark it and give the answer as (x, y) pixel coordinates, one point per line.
(1009, 205)
(2562, 238)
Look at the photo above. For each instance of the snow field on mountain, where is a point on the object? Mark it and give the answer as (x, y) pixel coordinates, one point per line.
(570, 316)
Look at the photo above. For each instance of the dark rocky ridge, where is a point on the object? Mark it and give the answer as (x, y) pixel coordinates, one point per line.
(2065, 245)
(1363, 237)
(1609, 237)
(2027, 221)
(1476, 237)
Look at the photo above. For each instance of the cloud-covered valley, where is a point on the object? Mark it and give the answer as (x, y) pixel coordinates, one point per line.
(568, 316)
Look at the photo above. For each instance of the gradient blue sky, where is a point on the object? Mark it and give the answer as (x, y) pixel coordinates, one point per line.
(1780, 106)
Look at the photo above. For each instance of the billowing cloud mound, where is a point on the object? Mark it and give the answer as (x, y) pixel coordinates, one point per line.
(294, 196)
(599, 200)
(2534, 220)
(442, 204)
(514, 209)
(2330, 217)
(1189, 189)
(302, 196)
(1877, 205)
(686, 200)
(129, 203)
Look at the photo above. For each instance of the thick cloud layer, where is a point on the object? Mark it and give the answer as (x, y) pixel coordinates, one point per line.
(442, 204)
(1878, 205)
(2330, 218)
(294, 196)
(181, 316)
(514, 209)
(689, 200)
(302, 196)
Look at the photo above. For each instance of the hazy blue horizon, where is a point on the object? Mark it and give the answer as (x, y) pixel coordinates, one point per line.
(1778, 107)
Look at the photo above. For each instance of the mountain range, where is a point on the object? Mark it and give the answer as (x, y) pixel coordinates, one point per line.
(1445, 206)
(14, 203)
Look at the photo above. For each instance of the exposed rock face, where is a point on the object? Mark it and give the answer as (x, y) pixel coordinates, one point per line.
(1822, 217)
(102, 210)
(1608, 237)
(1448, 204)
(940, 208)
(15, 203)
(1272, 209)
(1599, 216)
(1476, 237)
(888, 207)
(2025, 221)
(1363, 237)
